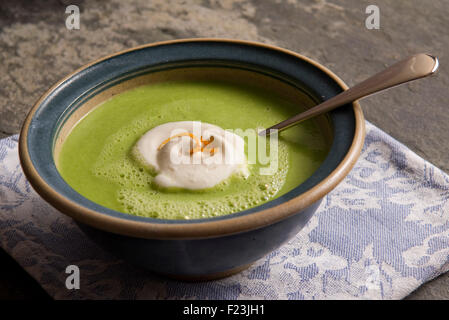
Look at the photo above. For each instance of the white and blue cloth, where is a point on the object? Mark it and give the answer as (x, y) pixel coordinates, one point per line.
(380, 234)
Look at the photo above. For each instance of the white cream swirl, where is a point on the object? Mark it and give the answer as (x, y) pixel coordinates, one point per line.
(191, 154)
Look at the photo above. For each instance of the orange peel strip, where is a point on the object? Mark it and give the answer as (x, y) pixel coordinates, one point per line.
(198, 143)
(191, 135)
(212, 151)
(206, 142)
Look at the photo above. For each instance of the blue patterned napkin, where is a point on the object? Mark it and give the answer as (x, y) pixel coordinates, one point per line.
(379, 235)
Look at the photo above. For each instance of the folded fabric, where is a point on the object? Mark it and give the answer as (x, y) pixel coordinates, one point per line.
(379, 235)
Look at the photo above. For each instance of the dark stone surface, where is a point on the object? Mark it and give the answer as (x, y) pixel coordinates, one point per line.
(36, 50)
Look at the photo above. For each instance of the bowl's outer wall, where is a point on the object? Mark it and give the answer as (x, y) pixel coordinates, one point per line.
(200, 259)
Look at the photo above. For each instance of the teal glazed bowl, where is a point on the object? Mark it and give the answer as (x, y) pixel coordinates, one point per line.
(197, 249)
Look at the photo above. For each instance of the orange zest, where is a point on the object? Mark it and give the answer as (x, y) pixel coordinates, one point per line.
(206, 142)
(191, 135)
(212, 151)
(200, 144)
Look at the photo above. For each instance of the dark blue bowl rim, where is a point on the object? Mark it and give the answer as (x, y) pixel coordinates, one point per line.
(44, 119)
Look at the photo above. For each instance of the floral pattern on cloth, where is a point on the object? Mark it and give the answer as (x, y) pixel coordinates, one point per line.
(380, 234)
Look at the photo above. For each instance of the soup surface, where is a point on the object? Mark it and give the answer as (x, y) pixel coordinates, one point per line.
(97, 158)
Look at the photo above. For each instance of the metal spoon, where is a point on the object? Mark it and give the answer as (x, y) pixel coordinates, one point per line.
(415, 67)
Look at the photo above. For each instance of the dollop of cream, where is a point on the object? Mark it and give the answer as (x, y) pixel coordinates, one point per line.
(191, 154)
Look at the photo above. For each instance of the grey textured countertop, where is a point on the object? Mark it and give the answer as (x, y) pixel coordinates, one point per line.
(36, 50)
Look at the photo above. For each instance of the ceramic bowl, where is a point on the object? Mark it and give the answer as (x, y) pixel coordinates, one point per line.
(204, 248)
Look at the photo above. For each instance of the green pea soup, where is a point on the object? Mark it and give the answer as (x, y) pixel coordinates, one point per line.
(97, 161)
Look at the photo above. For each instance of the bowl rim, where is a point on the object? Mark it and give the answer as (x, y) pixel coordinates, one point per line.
(203, 229)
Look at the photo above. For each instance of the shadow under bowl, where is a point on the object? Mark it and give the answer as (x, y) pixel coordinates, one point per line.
(198, 249)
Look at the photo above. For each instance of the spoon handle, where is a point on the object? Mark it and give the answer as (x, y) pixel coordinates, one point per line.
(412, 68)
